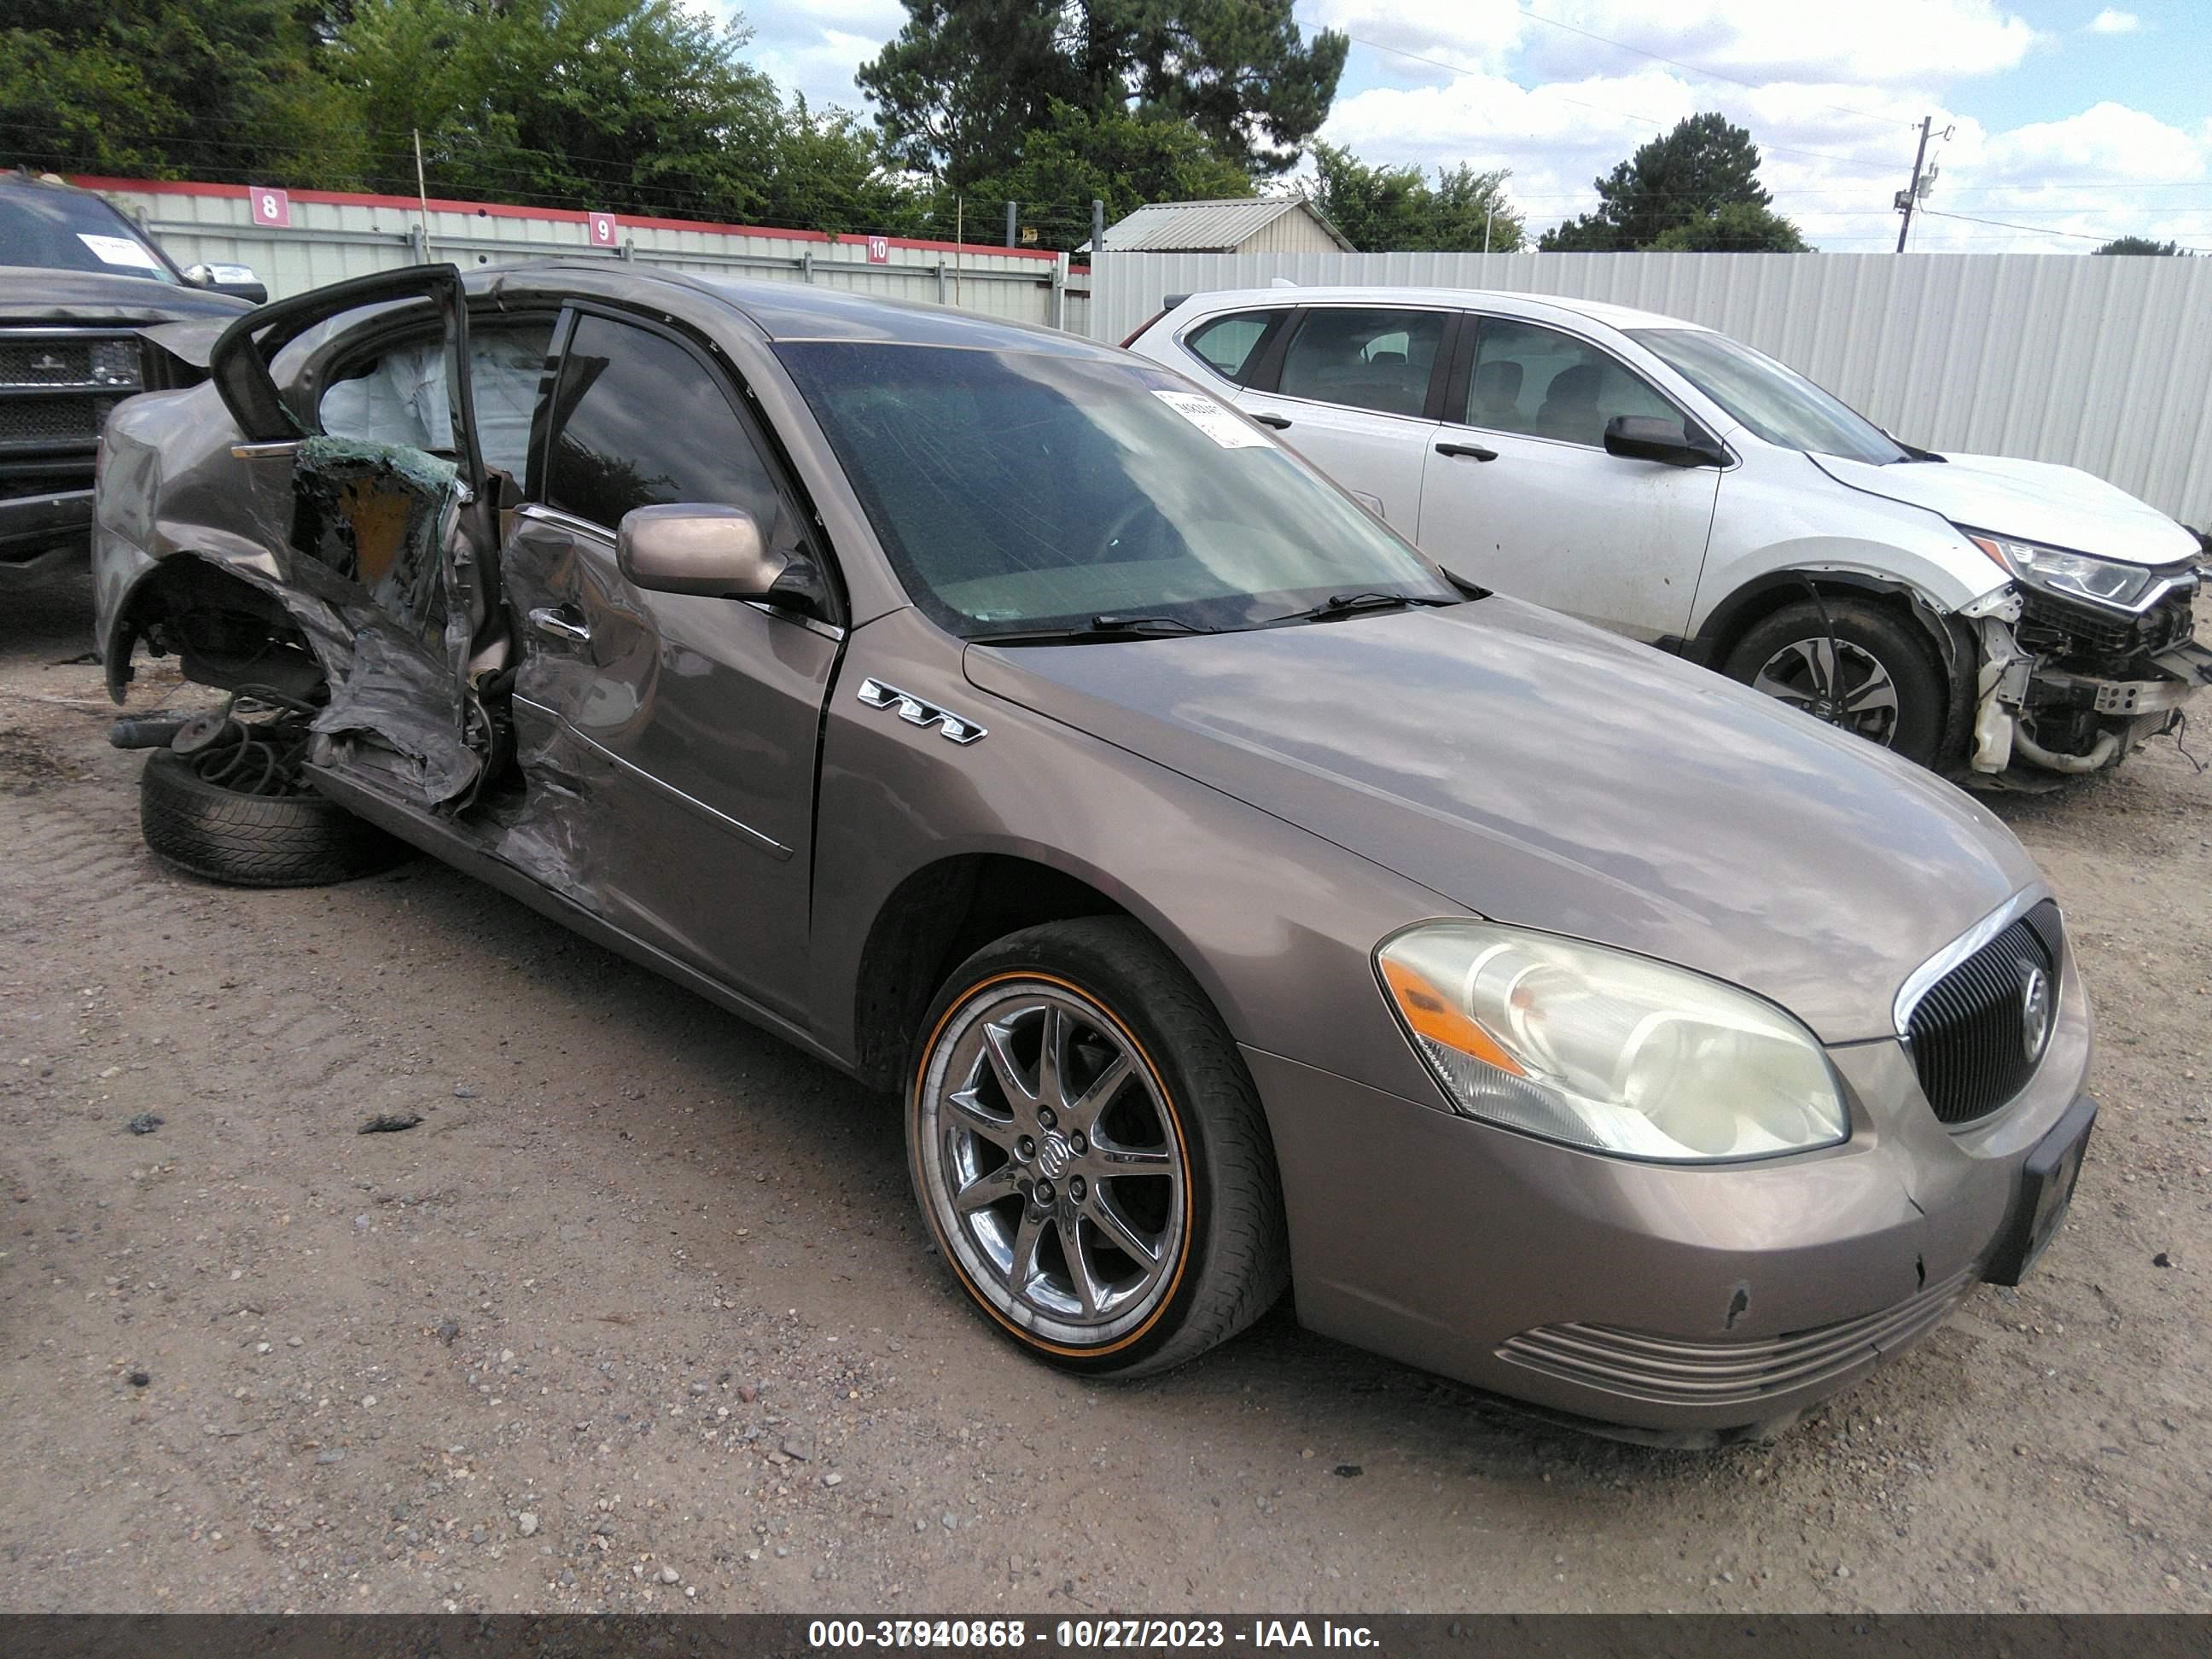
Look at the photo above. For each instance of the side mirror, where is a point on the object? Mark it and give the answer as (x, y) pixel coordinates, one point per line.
(237, 281)
(1671, 443)
(718, 552)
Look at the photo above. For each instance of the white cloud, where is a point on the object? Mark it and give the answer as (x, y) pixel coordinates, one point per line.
(813, 46)
(1757, 39)
(2109, 21)
(1837, 92)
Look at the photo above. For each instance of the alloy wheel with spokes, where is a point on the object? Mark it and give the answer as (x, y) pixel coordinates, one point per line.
(1089, 1152)
(1864, 666)
(1055, 1163)
(1835, 681)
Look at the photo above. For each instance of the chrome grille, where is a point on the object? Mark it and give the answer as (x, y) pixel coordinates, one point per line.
(1965, 1032)
(1674, 1371)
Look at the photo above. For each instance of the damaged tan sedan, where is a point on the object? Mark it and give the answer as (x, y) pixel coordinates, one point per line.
(1238, 899)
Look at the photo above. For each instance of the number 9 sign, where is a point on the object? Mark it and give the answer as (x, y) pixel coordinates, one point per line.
(602, 228)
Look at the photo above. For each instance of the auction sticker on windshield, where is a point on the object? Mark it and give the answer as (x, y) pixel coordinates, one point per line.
(119, 251)
(1210, 418)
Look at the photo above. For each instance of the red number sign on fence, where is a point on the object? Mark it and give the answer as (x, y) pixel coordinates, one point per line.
(270, 207)
(602, 226)
(879, 250)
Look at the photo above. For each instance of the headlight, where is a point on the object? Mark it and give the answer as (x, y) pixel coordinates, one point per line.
(1603, 1049)
(2105, 580)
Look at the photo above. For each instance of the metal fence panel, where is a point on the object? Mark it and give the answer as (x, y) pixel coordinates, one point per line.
(2100, 363)
(331, 236)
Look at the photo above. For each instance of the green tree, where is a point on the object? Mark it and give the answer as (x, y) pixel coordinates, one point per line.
(1386, 208)
(2139, 245)
(640, 106)
(826, 172)
(1122, 158)
(965, 82)
(217, 89)
(1733, 228)
(1703, 165)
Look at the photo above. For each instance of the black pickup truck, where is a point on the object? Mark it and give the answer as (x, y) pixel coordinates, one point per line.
(91, 311)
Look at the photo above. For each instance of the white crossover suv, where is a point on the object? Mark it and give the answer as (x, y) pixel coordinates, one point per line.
(1977, 614)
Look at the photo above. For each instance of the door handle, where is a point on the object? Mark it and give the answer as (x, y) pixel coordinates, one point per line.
(1280, 422)
(1475, 452)
(561, 624)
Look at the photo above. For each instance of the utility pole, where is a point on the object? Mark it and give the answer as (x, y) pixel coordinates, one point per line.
(422, 201)
(1013, 212)
(1097, 227)
(1908, 197)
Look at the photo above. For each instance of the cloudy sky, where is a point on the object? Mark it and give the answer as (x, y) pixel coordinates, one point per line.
(2068, 120)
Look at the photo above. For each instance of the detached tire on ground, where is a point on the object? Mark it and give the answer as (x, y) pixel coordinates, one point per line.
(1893, 690)
(254, 841)
(1089, 1151)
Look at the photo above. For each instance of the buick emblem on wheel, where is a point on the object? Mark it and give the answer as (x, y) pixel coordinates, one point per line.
(2034, 1012)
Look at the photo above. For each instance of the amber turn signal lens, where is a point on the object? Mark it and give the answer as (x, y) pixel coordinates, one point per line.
(1430, 1014)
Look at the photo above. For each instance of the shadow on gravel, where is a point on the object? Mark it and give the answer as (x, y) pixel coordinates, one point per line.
(822, 1131)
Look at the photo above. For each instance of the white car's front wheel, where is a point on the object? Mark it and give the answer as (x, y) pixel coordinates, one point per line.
(1858, 667)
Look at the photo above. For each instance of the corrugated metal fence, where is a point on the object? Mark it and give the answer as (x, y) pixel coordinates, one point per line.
(2100, 363)
(330, 236)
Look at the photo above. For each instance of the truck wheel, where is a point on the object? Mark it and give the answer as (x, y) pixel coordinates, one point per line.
(1089, 1153)
(254, 841)
(1878, 677)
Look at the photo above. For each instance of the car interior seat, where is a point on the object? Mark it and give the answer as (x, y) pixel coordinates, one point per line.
(1571, 410)
(1495, 396)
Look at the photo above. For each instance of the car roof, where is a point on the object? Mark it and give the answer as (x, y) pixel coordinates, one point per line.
(787, 312)
(1596, 311)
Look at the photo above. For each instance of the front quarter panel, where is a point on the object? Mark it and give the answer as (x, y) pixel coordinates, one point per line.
(1778, 511)
(1277, 926)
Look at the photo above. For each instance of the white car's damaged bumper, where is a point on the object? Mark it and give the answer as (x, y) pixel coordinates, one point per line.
(2069, 686)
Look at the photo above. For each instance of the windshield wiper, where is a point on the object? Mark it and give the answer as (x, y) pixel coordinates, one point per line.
(1353, 604)
(1102, 628)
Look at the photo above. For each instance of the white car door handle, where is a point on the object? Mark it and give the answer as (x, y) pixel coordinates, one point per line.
(561, 624)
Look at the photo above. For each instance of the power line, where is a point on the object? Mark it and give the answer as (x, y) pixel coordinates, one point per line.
(2033, 230)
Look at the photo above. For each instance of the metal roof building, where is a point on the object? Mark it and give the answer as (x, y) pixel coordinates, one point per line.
(1275, 224)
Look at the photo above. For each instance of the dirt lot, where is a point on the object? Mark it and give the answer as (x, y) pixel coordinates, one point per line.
(639, 1316)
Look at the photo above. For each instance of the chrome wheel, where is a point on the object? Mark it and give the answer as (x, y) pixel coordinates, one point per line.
(1052, 1162)
(1835, 681)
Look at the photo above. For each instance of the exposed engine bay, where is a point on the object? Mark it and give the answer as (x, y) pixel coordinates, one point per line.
(2068, 686)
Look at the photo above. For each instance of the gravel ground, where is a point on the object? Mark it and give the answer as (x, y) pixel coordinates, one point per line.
(640, 1316)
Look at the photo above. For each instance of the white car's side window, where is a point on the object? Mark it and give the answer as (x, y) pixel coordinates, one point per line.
(1378, 358)
(1544, 384)
(1230, 345)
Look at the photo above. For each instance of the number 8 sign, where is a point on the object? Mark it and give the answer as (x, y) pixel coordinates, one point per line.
(270, 207)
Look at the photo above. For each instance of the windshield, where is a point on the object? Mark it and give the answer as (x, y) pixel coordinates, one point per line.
(1019, 491)
(1779, 405)
(69, 230)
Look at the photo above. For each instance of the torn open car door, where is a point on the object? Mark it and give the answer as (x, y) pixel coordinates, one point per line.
(397, 539)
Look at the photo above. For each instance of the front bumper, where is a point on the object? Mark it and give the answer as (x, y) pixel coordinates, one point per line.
(1690, 1305)
(42, 534)
(2064, 688)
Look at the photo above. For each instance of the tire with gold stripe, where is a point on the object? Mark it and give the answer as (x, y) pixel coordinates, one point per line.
(1089, 1151)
